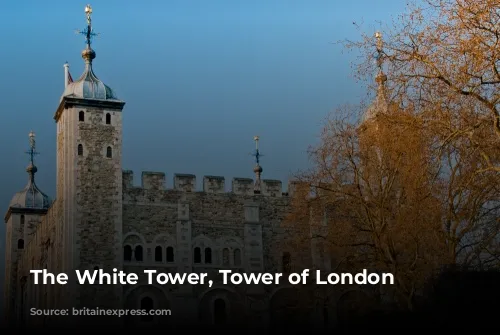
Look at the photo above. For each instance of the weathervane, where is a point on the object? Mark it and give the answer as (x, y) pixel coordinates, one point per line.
(256, 154)
(380, 45)
(32, 151)
(88, 32)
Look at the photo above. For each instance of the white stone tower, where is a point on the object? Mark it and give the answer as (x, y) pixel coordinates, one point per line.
(89, 181)
(26, 210)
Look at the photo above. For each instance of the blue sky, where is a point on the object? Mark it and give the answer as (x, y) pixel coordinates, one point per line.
(200, 79)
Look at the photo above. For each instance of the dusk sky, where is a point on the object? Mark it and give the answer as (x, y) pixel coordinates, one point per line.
(199, 78)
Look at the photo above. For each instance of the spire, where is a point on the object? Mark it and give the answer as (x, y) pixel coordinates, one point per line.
(88, 86)
(31, 196)
(257, 169)
(31, 169)
(380, 103)
(88, 54)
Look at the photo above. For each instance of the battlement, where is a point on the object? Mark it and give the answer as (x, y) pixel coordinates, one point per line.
(211, 184)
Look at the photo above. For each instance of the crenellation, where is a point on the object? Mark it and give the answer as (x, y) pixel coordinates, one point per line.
(271, 187)
(185, 182)
(242, 186)
(153, 180)
(128, 178)
(214, 184)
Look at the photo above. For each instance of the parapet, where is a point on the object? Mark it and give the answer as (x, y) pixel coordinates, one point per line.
(272, 188)
(153, 180)
(211, 184)
(214, 184)
(185, 182)
(243, 186)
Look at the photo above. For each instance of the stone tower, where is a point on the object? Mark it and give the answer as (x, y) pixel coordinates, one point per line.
(26, 210)
(89, 181)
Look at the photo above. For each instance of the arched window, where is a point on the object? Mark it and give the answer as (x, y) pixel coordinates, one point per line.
(81, 116)
(158, 254)
(80, 150)
(108, 118)
(170, 254)
(138, 253)
(109, 152)
(225, 257)
(287, 266)
(22, 220)
(20, 244)
(237, 257)
(208, 256)
(127, 253)
(147, 304)
(220, 315)
(197, 255)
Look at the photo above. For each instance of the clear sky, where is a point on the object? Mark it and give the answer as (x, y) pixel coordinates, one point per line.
(200, 79)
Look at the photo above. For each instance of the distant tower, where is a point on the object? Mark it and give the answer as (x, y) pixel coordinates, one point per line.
(380, 104)
(257, 168)
(89, 180)
(26, 209)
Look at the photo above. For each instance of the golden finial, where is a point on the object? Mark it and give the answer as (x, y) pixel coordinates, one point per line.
(88, 11)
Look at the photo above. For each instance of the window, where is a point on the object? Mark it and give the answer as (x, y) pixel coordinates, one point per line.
(108, 118)
(197, 255)
(109, 152)
(127, 253)
(147, 304)
(237, 257)
(20, 244)
(22, 220)
(158, 254)
(80, 150)
(287, 266)
(208, 256)
(220, 316)
(81, 116)
(170, 255)
(138, 253)
(225, 256)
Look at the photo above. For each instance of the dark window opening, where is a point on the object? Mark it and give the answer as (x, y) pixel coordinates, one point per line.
(170, 254)
(108, 118)
(225, 256)
(237, 257)
(147, 305)
(22, 220)
(109, 152)
(158, 254)
(81, 116)
(220, 316)
(20, 244)
(80, 150)
(287, 266)
(127, 253)
(208, 256)
(138, 253)
(197, 255)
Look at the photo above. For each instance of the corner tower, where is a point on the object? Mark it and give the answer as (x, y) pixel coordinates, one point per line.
(89, 179)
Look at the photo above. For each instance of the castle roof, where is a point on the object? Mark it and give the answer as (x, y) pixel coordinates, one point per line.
(31, 196)
(88, 86)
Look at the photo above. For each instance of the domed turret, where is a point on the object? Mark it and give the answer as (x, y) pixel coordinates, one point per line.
(88, 86)
(31, 196)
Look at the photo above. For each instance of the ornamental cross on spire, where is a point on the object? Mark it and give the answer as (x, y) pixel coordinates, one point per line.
(380, 45)
(256, 153)
(88, 32)
(32, 151)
